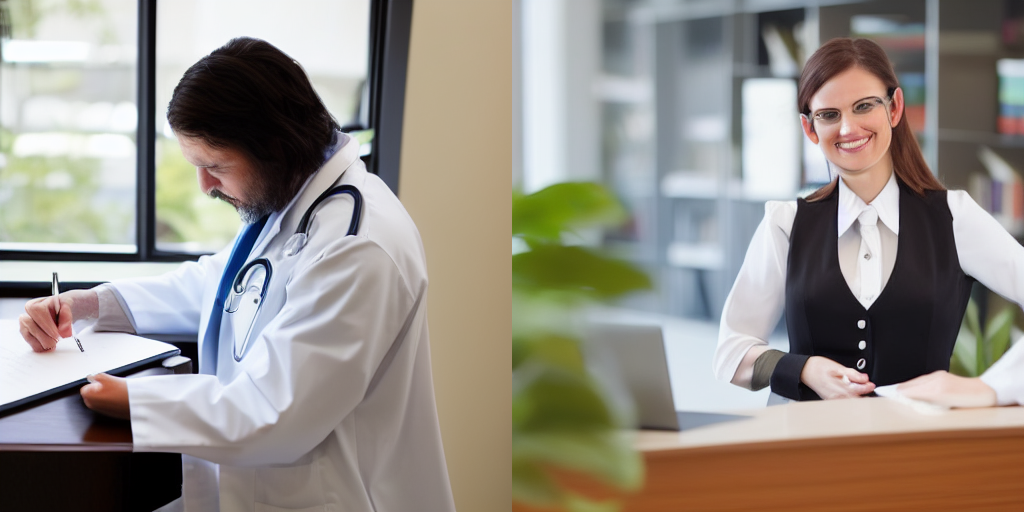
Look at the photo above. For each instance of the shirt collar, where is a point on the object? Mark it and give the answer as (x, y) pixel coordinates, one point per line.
(887, 204)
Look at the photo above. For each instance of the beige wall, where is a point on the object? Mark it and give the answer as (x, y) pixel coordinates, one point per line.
(460, 156)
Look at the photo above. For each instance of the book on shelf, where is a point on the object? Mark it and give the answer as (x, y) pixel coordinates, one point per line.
(1011, 96)
(891, 32)
(999, 190)
(913, 85)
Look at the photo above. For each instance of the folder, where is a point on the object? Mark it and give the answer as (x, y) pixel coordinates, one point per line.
(27, 376)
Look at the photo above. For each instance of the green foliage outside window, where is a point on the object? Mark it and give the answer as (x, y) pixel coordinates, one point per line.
(183, 212)
(560, 418)
(56, 199)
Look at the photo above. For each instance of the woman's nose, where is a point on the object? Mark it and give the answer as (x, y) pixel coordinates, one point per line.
(845, 125)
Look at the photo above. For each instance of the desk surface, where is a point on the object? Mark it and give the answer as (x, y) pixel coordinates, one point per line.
(63, 423)
(843, 455)
(833, 421)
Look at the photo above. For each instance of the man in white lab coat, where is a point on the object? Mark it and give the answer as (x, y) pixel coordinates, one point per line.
(315, 389)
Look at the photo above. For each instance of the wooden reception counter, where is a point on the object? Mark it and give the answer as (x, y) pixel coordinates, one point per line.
(865, 454)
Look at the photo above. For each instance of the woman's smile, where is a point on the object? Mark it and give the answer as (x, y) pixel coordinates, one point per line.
(853, 145)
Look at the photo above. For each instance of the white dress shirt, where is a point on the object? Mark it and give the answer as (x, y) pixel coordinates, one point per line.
(986, 252)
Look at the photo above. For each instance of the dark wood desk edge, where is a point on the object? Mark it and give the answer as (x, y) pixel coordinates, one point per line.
(83, 447)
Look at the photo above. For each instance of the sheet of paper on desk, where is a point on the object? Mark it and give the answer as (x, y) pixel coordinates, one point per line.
(26, 375)
(891, 392)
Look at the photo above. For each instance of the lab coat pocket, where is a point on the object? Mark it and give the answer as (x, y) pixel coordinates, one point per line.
(295, 487)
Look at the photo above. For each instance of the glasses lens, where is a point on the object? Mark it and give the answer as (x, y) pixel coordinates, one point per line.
(829, 117)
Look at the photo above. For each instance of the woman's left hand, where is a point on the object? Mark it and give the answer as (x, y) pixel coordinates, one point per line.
(944, 388)
(107, 395)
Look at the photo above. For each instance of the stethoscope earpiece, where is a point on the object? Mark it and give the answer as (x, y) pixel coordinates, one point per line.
(294, 244)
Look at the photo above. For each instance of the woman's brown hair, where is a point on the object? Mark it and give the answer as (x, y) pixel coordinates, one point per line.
(839, 55)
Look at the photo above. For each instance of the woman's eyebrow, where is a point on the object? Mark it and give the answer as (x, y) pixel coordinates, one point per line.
(866, 98)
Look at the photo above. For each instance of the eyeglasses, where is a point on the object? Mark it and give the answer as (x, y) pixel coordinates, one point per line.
(832, 116)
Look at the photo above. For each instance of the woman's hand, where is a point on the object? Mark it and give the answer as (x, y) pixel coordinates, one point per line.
(37, 324)
(826, 378)
(943, 388)
(107, 395)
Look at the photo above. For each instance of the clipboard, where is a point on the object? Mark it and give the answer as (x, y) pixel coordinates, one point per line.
(27, 376)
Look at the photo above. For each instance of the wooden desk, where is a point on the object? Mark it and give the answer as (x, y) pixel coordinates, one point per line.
(869, 454)
(59, 455)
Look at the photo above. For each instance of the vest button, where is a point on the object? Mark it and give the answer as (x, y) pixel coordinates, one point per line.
(862, 345)
(861, 363)
(867, 256)
(861, 324)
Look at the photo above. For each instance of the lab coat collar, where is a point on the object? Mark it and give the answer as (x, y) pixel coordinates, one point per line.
(887, 204)
(323, 178)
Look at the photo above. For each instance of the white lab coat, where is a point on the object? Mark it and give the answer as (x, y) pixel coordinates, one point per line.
(332, 407)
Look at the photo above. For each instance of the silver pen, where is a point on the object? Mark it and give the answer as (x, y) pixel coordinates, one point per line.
(55, 289)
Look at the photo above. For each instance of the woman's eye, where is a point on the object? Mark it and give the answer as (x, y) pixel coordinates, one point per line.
(865, 107)
(828, 116)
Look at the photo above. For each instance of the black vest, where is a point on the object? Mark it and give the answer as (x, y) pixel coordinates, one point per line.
(911, 327)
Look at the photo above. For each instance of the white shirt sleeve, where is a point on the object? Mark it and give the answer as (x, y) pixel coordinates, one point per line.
(989, 254)
(755, 303)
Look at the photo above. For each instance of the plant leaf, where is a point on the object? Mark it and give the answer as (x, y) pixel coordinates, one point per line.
(576, 269)
(607, 455)
(551, 398)
(971, 319)
(964, 360)
(554, 349)
(533, 485)
(547, 213)
(997, 334)
(576, 503)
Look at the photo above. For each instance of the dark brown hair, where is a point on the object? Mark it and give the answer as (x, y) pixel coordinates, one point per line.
(250, 96)
(839, 55)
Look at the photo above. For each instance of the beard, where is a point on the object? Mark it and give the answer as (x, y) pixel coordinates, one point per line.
(263, 194)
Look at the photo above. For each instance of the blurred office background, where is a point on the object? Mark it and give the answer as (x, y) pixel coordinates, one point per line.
(687, 110)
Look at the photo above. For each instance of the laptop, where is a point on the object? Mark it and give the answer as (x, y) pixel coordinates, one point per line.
(630, 363)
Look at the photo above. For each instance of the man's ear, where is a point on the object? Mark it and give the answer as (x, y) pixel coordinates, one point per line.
(808, 128)
(896, 108)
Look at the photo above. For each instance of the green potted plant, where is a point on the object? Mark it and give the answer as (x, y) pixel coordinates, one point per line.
(561, 421)
(976, 349)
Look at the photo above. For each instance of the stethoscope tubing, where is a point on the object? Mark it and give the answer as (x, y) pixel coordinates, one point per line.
(238, 288)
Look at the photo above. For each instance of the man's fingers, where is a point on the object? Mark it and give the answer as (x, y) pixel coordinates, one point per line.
(36, 338)
(41, 312)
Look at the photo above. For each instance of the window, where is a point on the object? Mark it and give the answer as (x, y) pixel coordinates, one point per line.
(89, 169)
(67, 126)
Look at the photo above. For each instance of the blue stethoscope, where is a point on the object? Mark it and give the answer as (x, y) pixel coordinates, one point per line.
(253, 279)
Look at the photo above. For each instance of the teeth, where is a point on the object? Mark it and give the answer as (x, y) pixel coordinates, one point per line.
(853, 144)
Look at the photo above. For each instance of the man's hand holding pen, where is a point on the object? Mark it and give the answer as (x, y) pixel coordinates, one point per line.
(42, 326)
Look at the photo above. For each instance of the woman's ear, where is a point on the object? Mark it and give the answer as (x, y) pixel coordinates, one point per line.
(896, 108)
(808, 128)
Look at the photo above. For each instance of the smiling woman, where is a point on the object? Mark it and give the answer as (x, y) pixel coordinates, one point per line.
(874, 269)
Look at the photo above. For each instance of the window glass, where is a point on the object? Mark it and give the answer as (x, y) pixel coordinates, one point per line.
(68, 125)
(328, 37)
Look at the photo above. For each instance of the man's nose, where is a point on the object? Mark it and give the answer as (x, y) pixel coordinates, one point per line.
(206, 181)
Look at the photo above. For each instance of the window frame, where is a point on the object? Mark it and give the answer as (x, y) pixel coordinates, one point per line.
(390, 26)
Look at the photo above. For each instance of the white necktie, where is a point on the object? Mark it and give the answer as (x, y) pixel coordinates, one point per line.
(869, 262)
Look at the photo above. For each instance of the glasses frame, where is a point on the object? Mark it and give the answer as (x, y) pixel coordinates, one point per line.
(812, 117)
